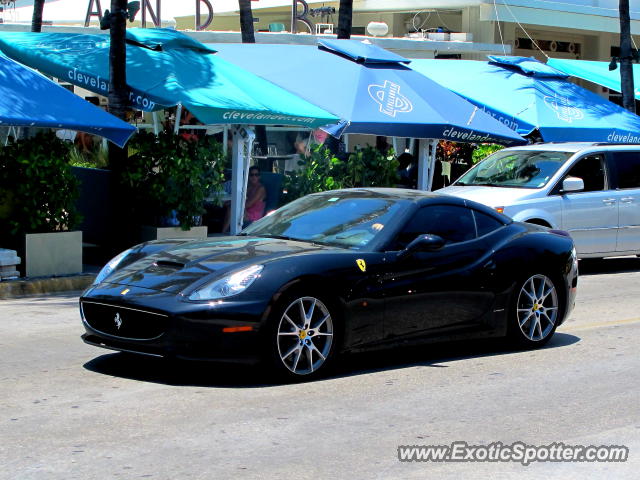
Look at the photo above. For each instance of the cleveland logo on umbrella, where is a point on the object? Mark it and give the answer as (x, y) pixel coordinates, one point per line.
(563, 108)
(389, 98)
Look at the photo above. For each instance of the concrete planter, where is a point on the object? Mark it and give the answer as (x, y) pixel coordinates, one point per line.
(9, 261)
(162, 233)
(52, 254)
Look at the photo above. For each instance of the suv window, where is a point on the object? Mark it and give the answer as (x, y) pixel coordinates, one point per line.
(591, 170)
(627, 166)
(454, 224)
(516, 169)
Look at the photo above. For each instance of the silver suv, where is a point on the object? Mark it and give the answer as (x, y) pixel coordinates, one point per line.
(590, 190)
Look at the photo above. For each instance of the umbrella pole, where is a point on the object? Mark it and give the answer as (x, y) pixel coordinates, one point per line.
(156, 123)
(426, 163)
(178, 116)
(423, 164)
(432, 163)
(242, 143)
(399, 145)
(16, 134)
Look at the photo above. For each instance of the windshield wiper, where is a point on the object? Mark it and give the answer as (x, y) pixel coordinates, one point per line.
(304, 240)
(279, 237)
(485, 184)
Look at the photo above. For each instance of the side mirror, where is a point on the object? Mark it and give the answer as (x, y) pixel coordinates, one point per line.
(423, 243)
(572, 184)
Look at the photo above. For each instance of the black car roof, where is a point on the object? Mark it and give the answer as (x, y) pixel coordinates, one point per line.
(399, 193)
(419, 197)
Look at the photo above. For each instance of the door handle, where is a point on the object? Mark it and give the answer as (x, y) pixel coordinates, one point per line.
(626, 199)
(609, 201)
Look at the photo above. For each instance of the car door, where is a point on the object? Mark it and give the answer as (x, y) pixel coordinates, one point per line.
(431, 291)
(591, 215)
(626, 173)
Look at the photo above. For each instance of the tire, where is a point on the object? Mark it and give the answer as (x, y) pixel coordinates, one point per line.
(302, 337)
(535, 312)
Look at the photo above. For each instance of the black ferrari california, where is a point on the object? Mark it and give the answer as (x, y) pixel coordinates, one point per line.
(332, 272)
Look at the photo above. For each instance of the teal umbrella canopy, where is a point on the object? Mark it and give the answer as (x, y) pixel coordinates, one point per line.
(529, 96)
(30, 99)
(166, 68)
(596, 72)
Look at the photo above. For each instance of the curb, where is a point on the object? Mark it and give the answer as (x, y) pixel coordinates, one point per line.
(39, 286)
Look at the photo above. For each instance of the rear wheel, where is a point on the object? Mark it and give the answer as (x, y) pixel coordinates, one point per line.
(302, 337)
(536, 311)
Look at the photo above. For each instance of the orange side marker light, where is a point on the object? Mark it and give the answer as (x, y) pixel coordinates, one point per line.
(247, 328)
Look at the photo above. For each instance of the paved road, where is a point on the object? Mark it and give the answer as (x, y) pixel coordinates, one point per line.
(70, 411)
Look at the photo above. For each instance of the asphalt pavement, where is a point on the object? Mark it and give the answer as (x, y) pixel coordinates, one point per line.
(68, 410)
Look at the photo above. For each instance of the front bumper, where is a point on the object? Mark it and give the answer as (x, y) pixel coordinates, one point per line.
(161, 324)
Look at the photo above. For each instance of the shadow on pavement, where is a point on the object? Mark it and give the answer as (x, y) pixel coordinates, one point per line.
(437, 355)
(594, 266)
(178, 372)
(216, 375)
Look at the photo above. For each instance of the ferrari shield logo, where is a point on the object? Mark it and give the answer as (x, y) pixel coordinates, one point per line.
(125, 291)
(362, 264)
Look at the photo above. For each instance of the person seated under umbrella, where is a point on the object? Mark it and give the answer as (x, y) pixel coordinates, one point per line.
(255, 203)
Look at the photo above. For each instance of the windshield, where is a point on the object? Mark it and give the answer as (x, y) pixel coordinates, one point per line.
(350, 220)
(515, 168)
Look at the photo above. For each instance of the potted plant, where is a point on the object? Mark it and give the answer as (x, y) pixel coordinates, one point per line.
(167, 179)
(38, 193)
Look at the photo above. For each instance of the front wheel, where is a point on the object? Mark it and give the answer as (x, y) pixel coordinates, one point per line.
(536, 311)
(303, 337)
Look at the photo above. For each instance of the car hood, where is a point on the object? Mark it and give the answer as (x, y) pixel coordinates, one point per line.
(491, 196)
(176, 268)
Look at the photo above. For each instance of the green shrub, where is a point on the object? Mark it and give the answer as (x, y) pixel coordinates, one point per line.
(322, 171)
(167, 173)
(98, 158)
(484, 150)
(37, 189)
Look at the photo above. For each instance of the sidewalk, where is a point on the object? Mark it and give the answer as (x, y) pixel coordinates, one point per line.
(44, 285)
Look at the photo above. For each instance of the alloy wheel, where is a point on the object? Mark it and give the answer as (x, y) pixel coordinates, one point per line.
(305, 335)
(537, 308)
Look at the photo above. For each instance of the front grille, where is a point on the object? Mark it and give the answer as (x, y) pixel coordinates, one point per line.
(124, 322)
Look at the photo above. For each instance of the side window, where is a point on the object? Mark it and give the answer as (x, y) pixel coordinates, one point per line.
(454, 224)
(486, 224)
(627, 166)
(592, 172)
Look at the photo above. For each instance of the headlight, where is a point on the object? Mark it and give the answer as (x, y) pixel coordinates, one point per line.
(111, 266)
(228, 286)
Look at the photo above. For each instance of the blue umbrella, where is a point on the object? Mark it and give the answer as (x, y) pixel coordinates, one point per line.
(528, 95)
(29, 99)
(373, 91)
(166, 68)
